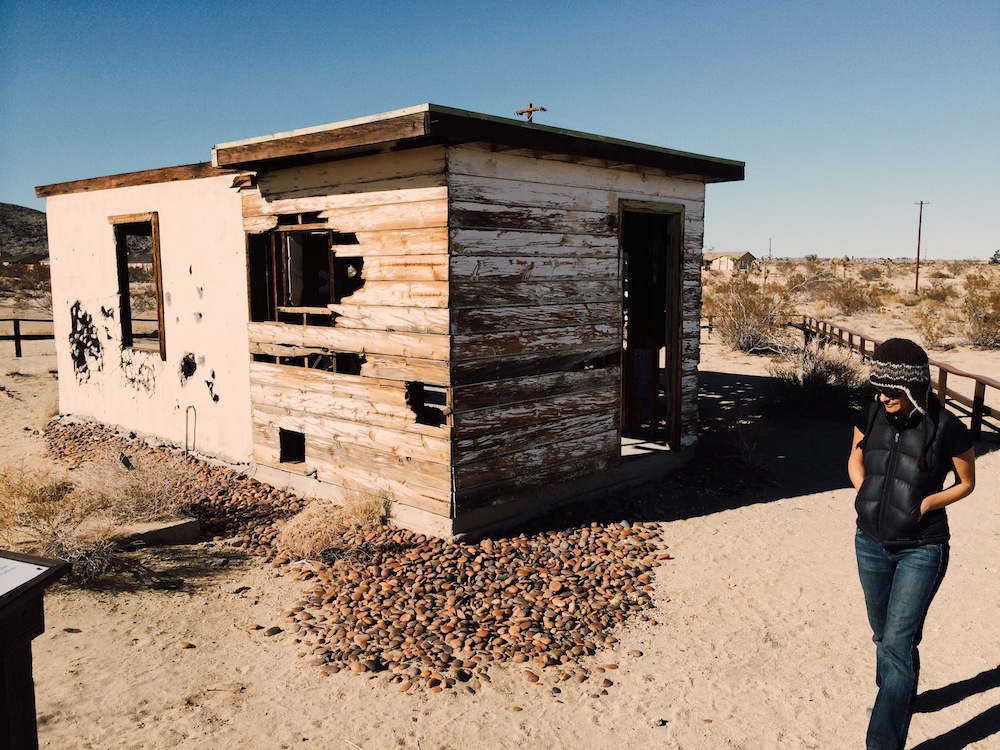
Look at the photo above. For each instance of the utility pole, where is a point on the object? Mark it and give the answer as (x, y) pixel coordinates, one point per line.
(920, 223)
(769, 248)
(529, 111)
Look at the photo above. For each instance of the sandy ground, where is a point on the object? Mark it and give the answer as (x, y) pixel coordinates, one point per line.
(759, 641)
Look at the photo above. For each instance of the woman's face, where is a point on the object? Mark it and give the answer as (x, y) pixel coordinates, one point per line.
(895, 401)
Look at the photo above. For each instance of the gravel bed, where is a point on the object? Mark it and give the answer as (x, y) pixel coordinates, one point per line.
(425, 613)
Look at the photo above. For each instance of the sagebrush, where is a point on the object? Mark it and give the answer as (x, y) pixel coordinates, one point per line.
(79, 516)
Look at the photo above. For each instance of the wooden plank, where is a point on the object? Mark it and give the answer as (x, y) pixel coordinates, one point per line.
(529, 190)
(479, 160)
(400, 368)
(198, 171)
(478, 428)
(318, 141)
(384, 318)
(546, 476)
(358, 341)
(498, 393)
(260, 203)
(415, 215)
(362, 480)
(373, 367)
(334, 456)
(519, 467)
(500, 293)
(472, 320)
(402, 268)
(500, 368)
(403, 294)
(383, 413)
(527, 268)
(467, 215)
(422, 241)
(503, 243)
(348, 386)
(514, 343)
(401, 443)
(418, 167)
(572, 427)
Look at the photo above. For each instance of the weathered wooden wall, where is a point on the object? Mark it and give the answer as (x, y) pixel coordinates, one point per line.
(536, 301)
(494, 275)
(360, 433)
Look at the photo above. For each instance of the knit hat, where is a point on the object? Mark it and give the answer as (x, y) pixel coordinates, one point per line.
(900, 363)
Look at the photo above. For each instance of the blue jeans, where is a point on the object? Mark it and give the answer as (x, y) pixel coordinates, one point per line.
(899, 586)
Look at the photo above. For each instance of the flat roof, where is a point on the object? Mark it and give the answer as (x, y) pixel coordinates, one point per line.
(131, 179)
(427, 124)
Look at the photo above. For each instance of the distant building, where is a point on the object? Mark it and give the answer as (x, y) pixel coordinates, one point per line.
(728, 261)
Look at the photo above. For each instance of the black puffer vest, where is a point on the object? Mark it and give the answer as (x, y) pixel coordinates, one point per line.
(888, 503)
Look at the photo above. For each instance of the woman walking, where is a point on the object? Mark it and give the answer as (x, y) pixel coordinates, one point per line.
(904, 448)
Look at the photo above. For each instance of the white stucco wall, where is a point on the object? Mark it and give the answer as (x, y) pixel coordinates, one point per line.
(203, 259)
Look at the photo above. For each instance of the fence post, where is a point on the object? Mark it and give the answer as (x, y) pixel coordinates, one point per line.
(978, 402)
(17, 337)
(942, 386)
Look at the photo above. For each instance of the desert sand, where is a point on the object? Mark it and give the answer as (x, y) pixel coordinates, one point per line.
(758, 637)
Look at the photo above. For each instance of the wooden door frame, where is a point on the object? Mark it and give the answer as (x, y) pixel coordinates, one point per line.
(673, 328)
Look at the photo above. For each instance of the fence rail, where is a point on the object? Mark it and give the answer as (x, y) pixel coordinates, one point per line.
(975, 407)
(17, 336)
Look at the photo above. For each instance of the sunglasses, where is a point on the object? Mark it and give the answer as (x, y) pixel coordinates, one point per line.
(891, 393)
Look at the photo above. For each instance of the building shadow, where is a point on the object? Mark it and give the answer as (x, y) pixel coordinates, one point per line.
(754, 447)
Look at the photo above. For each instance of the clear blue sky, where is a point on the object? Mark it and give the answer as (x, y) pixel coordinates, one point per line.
(846, 113)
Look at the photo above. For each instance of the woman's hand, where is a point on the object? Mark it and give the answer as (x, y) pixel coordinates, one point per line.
(965, 483)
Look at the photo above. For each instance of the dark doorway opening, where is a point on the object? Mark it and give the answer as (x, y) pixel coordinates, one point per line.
(651, 246)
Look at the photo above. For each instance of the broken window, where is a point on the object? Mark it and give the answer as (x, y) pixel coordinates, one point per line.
(298, 270)
(140, 283)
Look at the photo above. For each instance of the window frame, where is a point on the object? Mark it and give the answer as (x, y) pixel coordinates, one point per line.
(119, 225)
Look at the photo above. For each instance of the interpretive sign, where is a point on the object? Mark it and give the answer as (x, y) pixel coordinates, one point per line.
(23, 579)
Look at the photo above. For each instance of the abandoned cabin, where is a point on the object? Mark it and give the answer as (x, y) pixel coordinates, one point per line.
(730, 261)
(474, 315)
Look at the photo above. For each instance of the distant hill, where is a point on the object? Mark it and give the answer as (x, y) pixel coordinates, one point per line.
(23, 236)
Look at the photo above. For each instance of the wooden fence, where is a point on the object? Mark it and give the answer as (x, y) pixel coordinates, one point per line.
(18, 336)
(975, 407)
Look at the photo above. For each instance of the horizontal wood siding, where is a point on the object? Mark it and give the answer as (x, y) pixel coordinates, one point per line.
(536, 317)
(535, 294)
(360, 432)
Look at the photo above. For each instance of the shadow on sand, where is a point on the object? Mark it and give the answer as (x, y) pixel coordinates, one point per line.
(976, 729)
(749, 452)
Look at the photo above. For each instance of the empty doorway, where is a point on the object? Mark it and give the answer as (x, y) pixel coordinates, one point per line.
(651, 239)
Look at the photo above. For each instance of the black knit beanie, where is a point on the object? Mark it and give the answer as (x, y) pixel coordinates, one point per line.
(900, 363)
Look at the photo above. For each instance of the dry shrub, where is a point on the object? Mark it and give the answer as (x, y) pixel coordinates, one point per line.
(317, 528)
(851, 296)
(750, 316)
(133, 490)
(982, 309)
(825, 380)
(367, 508)
(44, 514)
(870, 273)
(938, 291)
(80, 517)
(321, 526)
(934, 322)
